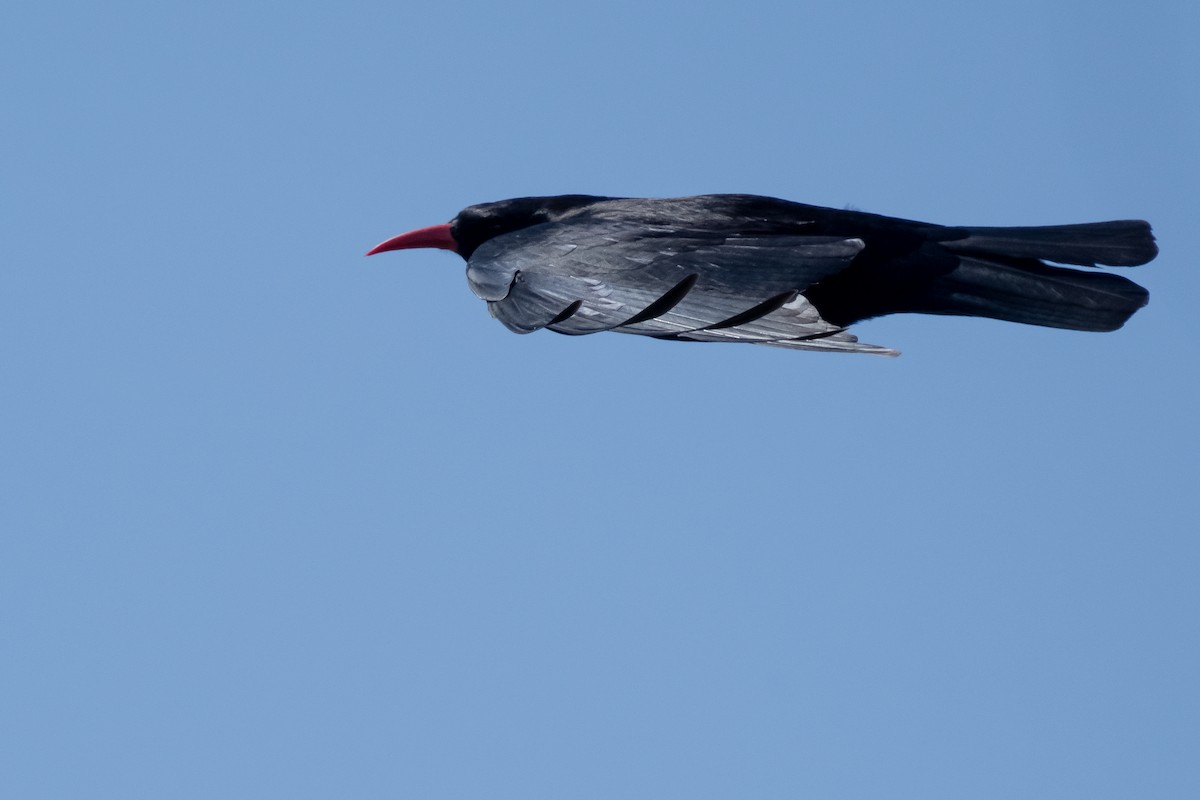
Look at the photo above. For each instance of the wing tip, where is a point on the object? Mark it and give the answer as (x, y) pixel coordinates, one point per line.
(828, 345)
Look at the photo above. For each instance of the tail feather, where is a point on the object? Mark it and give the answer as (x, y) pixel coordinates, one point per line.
(1033, 293)
(998, 273)
(1123, 243)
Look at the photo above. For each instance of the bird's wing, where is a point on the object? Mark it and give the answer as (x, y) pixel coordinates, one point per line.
(581, 278)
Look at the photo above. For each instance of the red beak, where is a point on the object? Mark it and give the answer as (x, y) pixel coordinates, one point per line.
(434, 236)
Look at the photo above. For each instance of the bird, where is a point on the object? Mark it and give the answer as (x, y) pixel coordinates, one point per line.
(762, 270)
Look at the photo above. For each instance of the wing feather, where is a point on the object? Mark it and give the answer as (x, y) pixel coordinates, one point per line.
(579, 278)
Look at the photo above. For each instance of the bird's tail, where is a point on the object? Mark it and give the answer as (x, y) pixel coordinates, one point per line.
(1000, 275)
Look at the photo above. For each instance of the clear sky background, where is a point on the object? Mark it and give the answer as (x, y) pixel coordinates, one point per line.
(280, 521)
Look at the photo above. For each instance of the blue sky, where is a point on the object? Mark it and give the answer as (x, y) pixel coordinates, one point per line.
(279, 521)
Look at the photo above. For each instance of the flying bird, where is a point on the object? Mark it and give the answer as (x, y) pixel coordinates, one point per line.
(745, 268)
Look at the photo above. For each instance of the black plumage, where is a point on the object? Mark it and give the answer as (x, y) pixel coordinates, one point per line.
(744, 268)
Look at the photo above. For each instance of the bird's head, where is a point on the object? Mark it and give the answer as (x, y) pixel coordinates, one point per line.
(476, 224)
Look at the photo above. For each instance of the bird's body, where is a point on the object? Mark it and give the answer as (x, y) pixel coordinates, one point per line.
(744, 268)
